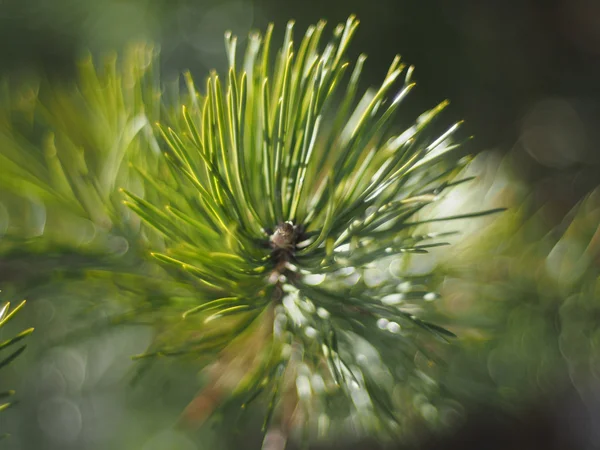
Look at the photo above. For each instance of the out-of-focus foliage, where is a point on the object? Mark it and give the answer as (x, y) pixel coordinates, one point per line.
(66, 149)
(523, 292)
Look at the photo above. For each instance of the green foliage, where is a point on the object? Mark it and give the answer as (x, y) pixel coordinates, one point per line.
(267, 203)
(10, 351)
(524, 294)
(271, 146)
(65, 152)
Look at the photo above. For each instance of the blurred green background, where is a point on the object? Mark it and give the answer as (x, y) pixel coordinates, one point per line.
(521, 288)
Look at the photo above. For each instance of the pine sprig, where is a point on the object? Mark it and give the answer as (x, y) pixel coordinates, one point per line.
(267, 196)
(9, 351)
(269, 185)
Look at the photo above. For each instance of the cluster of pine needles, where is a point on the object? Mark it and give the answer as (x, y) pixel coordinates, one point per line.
(241, 218)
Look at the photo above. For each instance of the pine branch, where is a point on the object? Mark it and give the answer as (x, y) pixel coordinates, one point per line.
(266, 192)
(267, 196)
